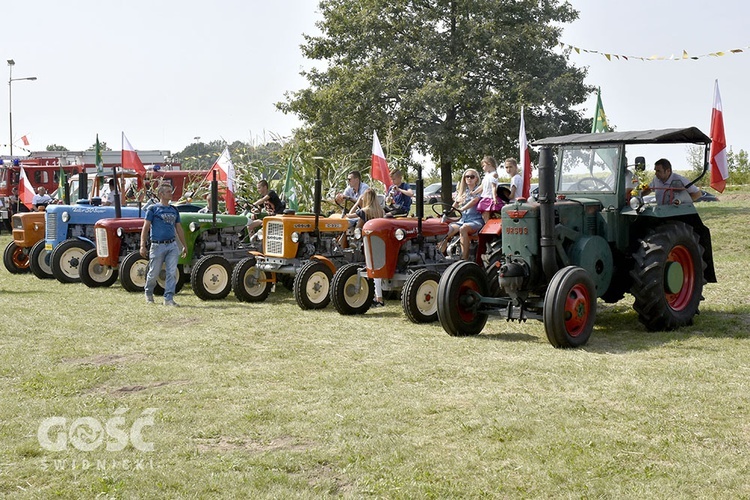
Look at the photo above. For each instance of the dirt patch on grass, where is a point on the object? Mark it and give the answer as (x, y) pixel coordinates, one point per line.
(225, 444)
(327, 479)
(105, 359)
(129, 389)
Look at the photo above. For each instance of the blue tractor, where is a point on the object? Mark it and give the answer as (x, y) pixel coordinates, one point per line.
(70, 234)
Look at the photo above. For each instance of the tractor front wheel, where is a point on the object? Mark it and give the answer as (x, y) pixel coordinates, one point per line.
(66, 260)
(312, 285)
(570, 307)
(668, 277)
(133, 272)
(16, 259)
(94, 274)
(350, 292)
(211, 278)
(39, 261)
(460, 289)
(419, 296)
(249, 283)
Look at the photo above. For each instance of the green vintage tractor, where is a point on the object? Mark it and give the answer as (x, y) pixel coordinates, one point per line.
(589, 235)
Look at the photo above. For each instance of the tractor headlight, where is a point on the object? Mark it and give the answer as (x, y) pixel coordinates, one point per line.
(295, 237)
(358, 233)
(400, 234)
(120, 232)
(636, 203)
(259, 235)
(193, 227)
(65, 216)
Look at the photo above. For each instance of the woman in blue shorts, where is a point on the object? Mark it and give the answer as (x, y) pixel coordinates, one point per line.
(471, 220)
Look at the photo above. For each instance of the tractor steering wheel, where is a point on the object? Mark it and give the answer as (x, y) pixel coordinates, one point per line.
(448, 211)
(596, 184)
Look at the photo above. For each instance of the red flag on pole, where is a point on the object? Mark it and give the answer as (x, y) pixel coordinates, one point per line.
(719, 164)
(25, 140)
(225, 172)
(379, 168)
(25, 190)
(130, 159)
(524, 159)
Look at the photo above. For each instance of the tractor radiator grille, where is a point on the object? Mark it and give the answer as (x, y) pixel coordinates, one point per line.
(52, 227)
(274, 238)
(374, 252)
(102, 249)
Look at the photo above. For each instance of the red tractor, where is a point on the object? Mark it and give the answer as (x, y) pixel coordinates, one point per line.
(403, 253)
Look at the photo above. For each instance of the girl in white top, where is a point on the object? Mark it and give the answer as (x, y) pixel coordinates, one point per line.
(516, 181)
(489, 201)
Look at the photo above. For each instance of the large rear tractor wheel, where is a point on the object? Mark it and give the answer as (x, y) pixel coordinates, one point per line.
(211, 278)
(249, 283)
(419, 296)
(570, 307)
(39, 261)
(312, 285)
(66, 260)
(133, 272)
(668, 277)
(351, 293)
(459, 292)
(94, 274)
(16, 259)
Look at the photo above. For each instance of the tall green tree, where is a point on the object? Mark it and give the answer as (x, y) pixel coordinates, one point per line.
(446, 78)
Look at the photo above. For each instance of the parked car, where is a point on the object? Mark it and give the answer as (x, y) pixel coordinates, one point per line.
(432, 193)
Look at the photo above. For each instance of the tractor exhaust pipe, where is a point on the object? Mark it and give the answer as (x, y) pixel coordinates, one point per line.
(117, 201)
(214, 198)
(420, 209)
(316, 206)
(547, 211)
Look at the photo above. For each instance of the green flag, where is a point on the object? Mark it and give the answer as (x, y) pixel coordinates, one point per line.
(290, 191)
(61, 184)
(600, 118)
(99, 163)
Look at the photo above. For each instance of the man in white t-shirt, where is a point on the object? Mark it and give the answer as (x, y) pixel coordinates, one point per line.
(665, 182)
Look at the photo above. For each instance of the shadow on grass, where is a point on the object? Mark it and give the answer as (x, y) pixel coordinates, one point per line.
(508, 337)
(618, 331)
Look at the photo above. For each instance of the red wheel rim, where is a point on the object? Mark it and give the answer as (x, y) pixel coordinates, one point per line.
(466, 314)
(20, 259)
(577, 310)
(680, 300)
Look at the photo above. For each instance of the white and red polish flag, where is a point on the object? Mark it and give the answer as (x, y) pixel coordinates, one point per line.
(379, 168)
(25, 190)
(130, 159)
(524, 159)
(719, 164)
(224, 169)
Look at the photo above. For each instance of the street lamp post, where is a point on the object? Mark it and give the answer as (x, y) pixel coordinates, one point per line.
(12, 63)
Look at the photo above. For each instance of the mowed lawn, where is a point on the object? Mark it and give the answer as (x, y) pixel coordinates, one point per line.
(226, 399)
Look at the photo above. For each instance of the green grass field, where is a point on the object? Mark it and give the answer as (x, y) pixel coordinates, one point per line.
(267, 400)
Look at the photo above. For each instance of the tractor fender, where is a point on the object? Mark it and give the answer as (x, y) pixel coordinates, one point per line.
(326, 261)
(83, 238)
(492, 227)
(256, 253)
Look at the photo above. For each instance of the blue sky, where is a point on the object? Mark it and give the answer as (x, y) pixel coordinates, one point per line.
(166, 71)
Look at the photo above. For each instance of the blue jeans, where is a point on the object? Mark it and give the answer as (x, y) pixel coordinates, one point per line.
(159, 254)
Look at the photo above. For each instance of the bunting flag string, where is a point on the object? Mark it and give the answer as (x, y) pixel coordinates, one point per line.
(680, 57)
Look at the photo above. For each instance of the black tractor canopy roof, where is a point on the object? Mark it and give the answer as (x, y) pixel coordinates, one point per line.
(663, 136)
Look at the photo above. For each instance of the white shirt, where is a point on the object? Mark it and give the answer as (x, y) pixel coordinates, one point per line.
(489, 183)
(517, 181)
(666, 196)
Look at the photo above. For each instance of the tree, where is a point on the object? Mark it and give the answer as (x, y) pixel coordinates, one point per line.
(56, 147)
(102, 147)
(445, 78)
